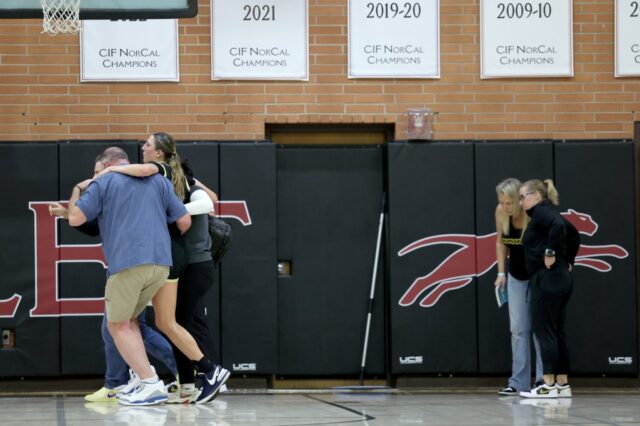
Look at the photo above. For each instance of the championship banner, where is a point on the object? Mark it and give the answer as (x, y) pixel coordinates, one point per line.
(259, 40)
(627, 38)
(129, 50)
(526, 38)
(394, 39)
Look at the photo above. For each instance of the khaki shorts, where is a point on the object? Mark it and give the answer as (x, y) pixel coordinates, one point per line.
(129, 291)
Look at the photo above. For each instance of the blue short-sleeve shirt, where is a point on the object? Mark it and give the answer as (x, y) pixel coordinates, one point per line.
(132, 214)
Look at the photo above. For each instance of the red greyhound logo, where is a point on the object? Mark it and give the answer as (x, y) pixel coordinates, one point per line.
(476, 256)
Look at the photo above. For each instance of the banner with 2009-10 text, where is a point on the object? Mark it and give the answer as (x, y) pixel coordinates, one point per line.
(627, 38)
(259, 40)
(526, 38)
(396, 39)
(129, 50)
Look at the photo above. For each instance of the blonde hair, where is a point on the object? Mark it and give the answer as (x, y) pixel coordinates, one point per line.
(167, 145)
(510, 187)
(546, 189)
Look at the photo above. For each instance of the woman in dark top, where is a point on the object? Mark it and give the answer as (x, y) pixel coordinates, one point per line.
(550, 246)
(511, 222)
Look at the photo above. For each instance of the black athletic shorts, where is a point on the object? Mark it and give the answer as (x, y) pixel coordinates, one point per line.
(179, 257)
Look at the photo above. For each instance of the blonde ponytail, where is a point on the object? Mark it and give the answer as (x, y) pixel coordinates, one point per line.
(546, 189)
(177, 176)
(552, 192)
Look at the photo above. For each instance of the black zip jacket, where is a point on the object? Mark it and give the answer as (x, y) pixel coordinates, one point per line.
(546, 230)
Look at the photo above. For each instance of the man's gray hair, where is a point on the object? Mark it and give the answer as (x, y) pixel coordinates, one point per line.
(112, 154)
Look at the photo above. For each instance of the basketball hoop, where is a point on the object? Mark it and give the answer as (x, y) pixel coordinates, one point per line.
(60, 16)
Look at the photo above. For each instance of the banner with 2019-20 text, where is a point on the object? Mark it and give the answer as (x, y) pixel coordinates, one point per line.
(397, 39)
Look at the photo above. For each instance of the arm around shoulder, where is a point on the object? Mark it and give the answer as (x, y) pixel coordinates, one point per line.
(137, 170)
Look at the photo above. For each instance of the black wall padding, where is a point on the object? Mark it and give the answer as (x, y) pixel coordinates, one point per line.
(249, 292)
(82, 348)
(329, 202)
(29, 174)
(431, 195)
(596, 178)
(494, 162)
(318, 207)
(203, 158)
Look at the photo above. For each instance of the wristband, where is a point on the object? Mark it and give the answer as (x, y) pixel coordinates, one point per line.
(501, 274)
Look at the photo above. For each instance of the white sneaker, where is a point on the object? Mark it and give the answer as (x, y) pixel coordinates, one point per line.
(134, 381)
(179, 395)
(146, 394)
(564, 391)
(541, 391)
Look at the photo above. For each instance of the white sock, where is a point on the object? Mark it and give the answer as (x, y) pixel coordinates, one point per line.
(152, 379)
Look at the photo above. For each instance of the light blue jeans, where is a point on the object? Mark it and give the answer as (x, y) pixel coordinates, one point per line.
(117, 371)
(520, 324)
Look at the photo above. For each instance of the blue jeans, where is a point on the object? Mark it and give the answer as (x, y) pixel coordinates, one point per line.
(117, 371)
(520, 324)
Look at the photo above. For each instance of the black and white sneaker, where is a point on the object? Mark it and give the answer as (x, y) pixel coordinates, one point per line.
(508, 391)
(211, 383)
(541, 391)
(564, 391)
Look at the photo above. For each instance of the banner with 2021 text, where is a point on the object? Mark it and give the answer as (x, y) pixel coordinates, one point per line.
(259, 40)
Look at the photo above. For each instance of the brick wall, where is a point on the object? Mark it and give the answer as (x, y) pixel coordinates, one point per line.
(41, 97)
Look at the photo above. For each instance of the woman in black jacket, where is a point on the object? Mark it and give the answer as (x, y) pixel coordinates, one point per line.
(550, 246)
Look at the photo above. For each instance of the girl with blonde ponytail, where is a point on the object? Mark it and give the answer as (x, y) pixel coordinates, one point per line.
(165, 143)
(550, 246)
(160, 156)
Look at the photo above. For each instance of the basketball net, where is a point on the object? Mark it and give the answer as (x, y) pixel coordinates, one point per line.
(60, 16)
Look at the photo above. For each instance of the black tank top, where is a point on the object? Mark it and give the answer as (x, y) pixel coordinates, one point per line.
(513, 240)
(165, 170)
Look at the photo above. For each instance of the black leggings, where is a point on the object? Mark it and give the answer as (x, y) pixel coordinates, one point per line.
(195, 282)
(550, 292)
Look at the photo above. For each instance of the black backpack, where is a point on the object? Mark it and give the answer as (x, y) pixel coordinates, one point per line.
(220, 232)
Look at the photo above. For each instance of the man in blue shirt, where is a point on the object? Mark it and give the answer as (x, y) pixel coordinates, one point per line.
(132, 214)
(116, 373)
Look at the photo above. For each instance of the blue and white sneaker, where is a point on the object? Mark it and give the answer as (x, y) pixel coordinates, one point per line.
(134, 381)
(146, 394)
(211, 383)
